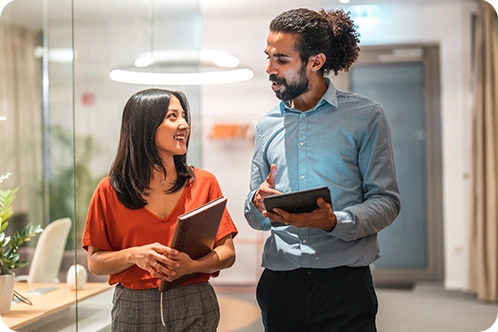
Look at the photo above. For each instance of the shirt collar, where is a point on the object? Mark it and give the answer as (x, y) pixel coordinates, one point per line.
(330, 97)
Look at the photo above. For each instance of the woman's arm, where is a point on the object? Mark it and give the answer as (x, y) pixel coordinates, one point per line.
(146, 257)
(221, 257)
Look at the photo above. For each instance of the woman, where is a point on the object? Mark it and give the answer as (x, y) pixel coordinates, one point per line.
(132, 216)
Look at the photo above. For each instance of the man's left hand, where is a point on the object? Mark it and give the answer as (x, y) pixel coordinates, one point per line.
(323, 217)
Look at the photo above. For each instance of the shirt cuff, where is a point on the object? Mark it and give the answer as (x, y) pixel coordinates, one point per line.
(344, 224)
(253, 216)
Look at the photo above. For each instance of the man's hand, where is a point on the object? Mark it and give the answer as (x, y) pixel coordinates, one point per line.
(267, 188)
(323, 217)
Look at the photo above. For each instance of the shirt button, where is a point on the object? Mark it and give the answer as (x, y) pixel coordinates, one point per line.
(301, 143)
(302, 176)
(308, 272)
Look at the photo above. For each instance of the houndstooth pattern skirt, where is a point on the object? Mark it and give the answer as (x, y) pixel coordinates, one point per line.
(188, 308)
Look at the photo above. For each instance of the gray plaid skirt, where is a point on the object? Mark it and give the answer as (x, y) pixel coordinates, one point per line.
(188, 308)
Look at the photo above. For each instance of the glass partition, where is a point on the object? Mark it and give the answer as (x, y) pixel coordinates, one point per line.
(63, 115)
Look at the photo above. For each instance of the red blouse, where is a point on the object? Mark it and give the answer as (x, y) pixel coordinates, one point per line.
(111, 226)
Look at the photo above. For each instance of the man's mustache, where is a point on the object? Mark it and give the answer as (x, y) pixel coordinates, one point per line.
(276, 79)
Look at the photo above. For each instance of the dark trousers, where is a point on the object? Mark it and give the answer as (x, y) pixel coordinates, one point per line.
(340, 299)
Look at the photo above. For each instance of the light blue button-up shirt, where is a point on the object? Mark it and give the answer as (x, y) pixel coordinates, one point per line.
(344, 143)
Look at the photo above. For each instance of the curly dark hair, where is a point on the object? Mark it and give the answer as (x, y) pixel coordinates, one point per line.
(137, 153)
(331, 32)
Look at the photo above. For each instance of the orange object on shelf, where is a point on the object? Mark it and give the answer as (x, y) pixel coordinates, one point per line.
(230, 131)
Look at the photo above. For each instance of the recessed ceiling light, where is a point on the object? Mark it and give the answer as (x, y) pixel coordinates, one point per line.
(344, 1)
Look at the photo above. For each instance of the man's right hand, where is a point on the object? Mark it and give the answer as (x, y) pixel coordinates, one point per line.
(267, 188)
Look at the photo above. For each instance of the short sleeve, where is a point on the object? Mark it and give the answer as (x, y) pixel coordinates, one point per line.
(95, 232)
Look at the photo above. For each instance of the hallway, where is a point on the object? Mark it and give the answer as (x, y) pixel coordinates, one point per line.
(427, 307)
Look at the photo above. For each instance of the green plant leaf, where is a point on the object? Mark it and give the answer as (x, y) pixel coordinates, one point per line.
(20, 263)
(15, 257)
(6, 241)
(38, 229)
(9, 245)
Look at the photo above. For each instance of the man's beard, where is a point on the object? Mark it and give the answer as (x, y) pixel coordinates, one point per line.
(293, 90)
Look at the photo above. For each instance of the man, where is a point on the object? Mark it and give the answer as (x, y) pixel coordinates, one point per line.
(317, 275)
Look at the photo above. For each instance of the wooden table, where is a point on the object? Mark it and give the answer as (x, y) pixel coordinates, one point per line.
(47, 304)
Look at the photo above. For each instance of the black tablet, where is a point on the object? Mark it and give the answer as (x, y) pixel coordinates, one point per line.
(298, 201)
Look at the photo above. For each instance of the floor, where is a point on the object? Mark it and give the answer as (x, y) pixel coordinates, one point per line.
(427, 307)
(239, 310)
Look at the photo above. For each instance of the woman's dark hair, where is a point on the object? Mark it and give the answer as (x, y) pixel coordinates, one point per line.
(137, 154)
(331, 32)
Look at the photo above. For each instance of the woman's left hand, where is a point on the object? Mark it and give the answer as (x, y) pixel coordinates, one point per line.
(221, 257)
(185, 265)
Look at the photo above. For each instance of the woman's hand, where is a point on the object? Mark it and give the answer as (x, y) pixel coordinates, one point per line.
(146, 257)
(154, 258)
(180, 264)
(221, 257)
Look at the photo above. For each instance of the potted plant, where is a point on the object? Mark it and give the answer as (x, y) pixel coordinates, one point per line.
(9, 246)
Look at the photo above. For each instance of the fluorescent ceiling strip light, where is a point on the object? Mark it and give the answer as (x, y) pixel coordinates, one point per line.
(59, 55)
(203, 78)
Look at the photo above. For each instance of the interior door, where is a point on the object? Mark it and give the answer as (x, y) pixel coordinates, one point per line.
(405, 80)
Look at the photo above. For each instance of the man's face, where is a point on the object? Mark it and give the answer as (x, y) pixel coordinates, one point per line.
(288, 73)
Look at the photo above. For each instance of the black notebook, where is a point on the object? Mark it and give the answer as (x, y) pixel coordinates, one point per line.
(195, 233)
(298, 201)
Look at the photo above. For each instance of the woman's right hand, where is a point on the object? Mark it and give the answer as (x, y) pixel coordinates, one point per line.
(150, 257)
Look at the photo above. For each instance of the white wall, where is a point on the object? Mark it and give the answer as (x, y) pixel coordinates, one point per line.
(446, 24)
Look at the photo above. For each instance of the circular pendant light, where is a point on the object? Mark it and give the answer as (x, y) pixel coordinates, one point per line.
(183, 67)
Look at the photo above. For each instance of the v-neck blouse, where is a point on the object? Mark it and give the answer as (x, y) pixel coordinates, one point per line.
(111, 226)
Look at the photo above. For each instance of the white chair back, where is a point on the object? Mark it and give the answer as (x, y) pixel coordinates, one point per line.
(48, 254)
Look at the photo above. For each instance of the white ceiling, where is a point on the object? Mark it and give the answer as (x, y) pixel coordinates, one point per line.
(29, 12)
(224, 8)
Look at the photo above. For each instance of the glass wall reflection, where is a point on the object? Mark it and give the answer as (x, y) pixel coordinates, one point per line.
(62, 110)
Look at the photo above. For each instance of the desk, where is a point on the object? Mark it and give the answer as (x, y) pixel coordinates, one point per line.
(48, 304)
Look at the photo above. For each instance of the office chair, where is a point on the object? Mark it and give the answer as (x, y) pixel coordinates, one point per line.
(49, 250)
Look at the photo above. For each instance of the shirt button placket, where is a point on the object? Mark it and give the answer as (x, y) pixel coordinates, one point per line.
(301, 150)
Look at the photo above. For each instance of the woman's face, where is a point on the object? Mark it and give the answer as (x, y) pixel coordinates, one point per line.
(172, 134)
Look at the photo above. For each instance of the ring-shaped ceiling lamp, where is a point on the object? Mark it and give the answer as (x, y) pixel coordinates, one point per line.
(183, 67)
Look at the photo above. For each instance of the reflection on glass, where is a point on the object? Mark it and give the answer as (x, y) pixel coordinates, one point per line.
(3, 109)
(67, 111)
